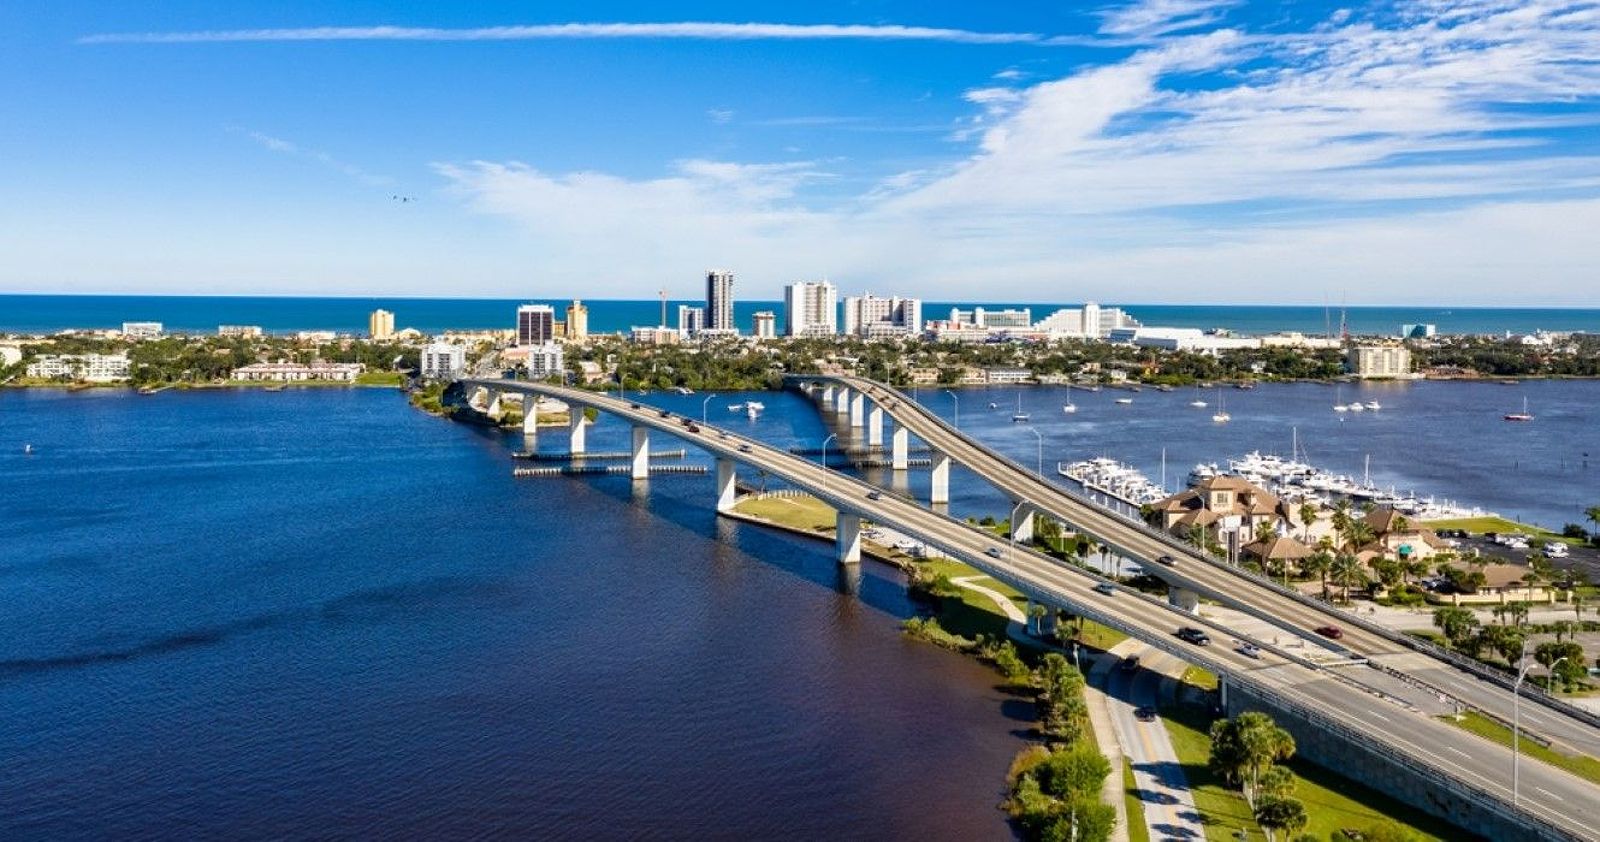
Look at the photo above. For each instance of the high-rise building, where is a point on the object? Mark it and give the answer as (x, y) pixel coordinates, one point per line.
(1391, 362)
(719, 301)
(691, 320)
(577, 321)
(873, 317)
(442, 360)
(765, 325)
(811, 308)
(380, 325)
(536, 324)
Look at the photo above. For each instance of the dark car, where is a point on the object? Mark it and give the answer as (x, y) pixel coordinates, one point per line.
(744, 448)
(633, 406)
(1190, 634)
(1167, 560)
(1144, 713)
(666, 414)
(1128, 664)
(1106, 588)
(1333, 632)
(874, 495)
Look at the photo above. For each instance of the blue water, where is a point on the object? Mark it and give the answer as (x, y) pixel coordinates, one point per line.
(47, 313)
(322, 614)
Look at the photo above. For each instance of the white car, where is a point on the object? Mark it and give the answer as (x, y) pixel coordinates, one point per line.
(1250, 650)
(1555, 549)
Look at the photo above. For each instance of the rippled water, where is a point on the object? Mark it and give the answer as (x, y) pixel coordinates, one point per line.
(256, 615)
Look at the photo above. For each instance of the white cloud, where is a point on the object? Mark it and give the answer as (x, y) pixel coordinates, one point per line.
(694, 30)
(1149, 18)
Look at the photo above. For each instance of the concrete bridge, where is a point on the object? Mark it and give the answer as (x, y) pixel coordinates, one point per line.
(1434, 765)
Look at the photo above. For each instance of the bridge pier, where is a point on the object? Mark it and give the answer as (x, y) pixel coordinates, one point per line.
(848, 537)
(1183, 598)
(727, 483)
(1022, 524)
(827, 395)
(841, 401)
(576, 426)
(493, 409)
(901, 446)
(530, 415)
(641, 453)
(939, 492)
(858, 408)
(875, 426)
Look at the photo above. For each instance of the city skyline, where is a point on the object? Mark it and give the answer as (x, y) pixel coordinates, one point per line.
(1159, 151)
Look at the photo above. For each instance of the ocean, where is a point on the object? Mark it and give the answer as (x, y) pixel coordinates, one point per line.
(202, 314)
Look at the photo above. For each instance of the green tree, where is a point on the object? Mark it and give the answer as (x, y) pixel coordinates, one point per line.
(1308, 516)
(1059, 701)
(1280, 814)
(1243, 748)
(1456, 623)
(1318, 564)
(1347, 571)
(1011, 665)
(1571, 667)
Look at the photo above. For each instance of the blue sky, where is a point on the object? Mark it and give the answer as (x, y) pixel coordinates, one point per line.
(1163, 150)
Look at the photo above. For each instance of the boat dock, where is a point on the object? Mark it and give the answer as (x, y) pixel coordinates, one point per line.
(603, 470)
(602, 456)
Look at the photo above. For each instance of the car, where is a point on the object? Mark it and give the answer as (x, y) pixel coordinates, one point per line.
(1190, 634)
(1106, 588)
(1167, 560)
(744, 448)
(1333, 632)
(874, 495)
(992, 552)
(633, 406)
(666, 413)
(1128, 664)
(693, 428)
(1250, 650)
(1555, 550)
(1144, 713)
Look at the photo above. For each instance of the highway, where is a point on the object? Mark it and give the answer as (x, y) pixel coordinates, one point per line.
(1214, 578)
(1562, 800)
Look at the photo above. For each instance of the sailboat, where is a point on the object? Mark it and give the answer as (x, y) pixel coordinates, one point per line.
(1069, 407)
(1221, 416)
(1198, 402)
(1520, 416)
(1019, 415)
(1341, 406)
(27, 449)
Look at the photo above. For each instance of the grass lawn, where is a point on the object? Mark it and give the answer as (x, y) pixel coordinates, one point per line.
(1480, 525)
(1332, 801)
(1581, 765)
(380, 378)
(806, 513)
(1199, 678)
(1138, 831)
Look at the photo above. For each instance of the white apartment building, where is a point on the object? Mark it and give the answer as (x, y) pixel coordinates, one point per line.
(547, 360)
(811, 308)
(443, 361)
(239, 331)
(992, 319)
(874, 318)
(142, 330)
(92, 368)
(1091, 321)
(691, 320)
(1380, 362)
(719, 301)
(286, 372)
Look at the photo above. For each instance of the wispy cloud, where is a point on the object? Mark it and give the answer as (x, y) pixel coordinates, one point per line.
(690, 30)
(720, 116)
(1149, 18)
(286, 147)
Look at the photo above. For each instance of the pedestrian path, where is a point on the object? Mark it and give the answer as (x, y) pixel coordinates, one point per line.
(1169, 808)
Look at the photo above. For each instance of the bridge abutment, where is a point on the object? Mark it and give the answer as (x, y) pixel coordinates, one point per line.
(847, 537)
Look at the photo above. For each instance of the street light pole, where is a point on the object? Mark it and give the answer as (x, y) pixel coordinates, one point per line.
(1038, 466)
(703, 405)
(957, 399)
(831, 437)
(1516, 721)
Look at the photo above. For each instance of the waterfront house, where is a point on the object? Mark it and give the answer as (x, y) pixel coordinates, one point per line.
(1228, 508)
(1280, 550)
(1398, 537)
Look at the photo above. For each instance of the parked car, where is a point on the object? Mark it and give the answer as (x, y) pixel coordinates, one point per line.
(1106, 588)
(1190, 634)
(1333, 632)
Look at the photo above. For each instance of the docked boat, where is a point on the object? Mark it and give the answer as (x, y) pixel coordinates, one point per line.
(1524, 415)
(1113, 479)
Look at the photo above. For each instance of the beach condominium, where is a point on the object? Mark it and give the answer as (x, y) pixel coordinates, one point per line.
(812, 308)
(536, 324)
(719, 301)
(380, 325)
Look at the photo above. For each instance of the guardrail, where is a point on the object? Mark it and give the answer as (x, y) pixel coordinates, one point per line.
(1537, 694)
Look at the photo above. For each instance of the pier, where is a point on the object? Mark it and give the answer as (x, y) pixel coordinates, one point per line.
(604, 470)
(605, 456)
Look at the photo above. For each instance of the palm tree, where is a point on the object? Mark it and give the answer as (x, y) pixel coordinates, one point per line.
(1358, 534)
(1347, 570)
(1308, 516)
(1593, 514)
(1318, 564)
(1265, 532)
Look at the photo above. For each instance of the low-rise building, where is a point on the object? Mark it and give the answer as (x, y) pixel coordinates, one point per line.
(239, 331)
(547, 360)
(443, 361)
(1227, 509)
(92, 368)
(1007, 376)
(287, 372)
(10, 355)
(315, 336)
(661, 335)
(142, 330)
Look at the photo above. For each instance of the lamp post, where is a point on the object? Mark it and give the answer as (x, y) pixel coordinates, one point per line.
(703, 405)
(831, 437)
(1516, 721)
(957, 399)
(1039, 465)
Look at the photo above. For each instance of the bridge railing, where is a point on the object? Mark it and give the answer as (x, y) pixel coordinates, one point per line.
(1473, 666)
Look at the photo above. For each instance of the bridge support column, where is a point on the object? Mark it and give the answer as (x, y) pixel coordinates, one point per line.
(841, 401)
(939, 492)
(530, 414)
(727, 483)
(875, 426)
(827, 395)
(493, 408)
(848, 538)
(858, 410)
(901, 439)
(641, 452)
(1183, 598)
(1022, 524)
(1035, 617)
(576, 426)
